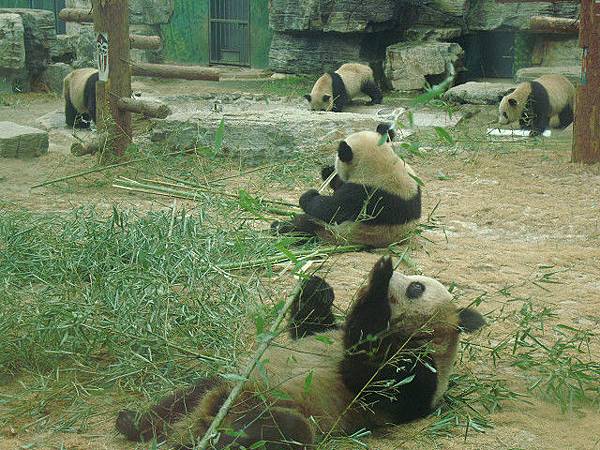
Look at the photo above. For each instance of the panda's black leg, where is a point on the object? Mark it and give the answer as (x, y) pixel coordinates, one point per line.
(311, 311)
(82, 121)
(153, 423)
(300, 223)
(539, 125)
(70, 113)
(566, 116)
(373, 91)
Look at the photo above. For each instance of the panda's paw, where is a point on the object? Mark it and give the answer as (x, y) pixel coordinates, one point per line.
(307, 197)
(278, 227)
(326, 172)
(382, 271)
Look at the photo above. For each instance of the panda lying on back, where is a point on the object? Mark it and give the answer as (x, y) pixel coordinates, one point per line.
(334, 90)
(389, 364)
(376, 198)
(79, 90)
(545, 101)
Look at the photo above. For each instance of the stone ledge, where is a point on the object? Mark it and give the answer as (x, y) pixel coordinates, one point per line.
(18, 141)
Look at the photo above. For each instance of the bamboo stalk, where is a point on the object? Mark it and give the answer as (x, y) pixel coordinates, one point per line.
(103, 168)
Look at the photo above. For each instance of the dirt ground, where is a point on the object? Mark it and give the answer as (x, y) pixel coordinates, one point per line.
(507, 216)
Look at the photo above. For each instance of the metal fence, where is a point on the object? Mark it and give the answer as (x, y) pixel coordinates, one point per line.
(230, 32)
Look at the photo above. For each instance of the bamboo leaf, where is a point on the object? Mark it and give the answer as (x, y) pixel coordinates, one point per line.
(444, 135)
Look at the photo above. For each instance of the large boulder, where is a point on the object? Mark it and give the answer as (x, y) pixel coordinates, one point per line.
(411, 66)
(40, 35)
(572, 73)
(486, 15)
(54, 76)
(18, 141)
(442, 13)
(478, 93)
(12, 44)
(150, 12)
(141, 12)
(343, 16)
(313, 53)
(556, 51)
(64, 49)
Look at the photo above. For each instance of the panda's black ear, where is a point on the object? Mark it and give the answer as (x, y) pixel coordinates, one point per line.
(345, 152)
(385, 128)
(512, 102)
(326, 98)
(307, 97)
(470, 320)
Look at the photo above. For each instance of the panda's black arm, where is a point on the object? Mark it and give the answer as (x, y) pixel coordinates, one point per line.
(345, 204)
(336, 182)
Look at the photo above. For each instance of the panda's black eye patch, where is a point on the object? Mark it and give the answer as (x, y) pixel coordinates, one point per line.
(505, 115)
(415, 290)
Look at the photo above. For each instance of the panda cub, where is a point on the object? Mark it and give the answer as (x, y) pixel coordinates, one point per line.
(376, 199)
(333, 90)
(388, 364)
(79, 90)
(545, 101)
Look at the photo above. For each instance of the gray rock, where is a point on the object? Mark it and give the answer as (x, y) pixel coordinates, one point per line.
(442, 13)
(150, 12)
(345, 16)
(557, 51)
(85, 48)
(428, 33)
(313, 53)
(410, 66)
(12, 44)
(141, 12)
(485, 15)
(40, 35)
(65, 48)
(262, 130)
(478, 93)
(572, 73)
(54, 76)
(54, 120)
(17, 141)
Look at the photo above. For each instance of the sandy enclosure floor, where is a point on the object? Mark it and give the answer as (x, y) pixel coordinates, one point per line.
(508, 218)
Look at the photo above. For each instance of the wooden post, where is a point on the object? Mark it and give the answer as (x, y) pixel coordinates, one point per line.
(586, 130)
(111, 17)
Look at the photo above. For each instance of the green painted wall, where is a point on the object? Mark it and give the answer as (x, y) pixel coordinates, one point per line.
(260, 33)
(185, 38)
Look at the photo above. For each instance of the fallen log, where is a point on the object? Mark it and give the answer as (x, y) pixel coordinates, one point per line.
(144, 42)
(174, 71)
(548, 24)
(149, 108)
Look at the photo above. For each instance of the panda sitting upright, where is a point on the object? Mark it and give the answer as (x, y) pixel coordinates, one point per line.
(79, 90)
(545, 101)
(333, 90)
(388, 364)
(376, 198)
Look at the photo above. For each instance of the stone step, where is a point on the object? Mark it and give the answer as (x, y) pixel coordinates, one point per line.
(478, 92)
(18, 141)
(572, 73)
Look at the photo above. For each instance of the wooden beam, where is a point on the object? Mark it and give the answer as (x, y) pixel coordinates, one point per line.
(586, 130)
(149, 108)
(112, 18)
(549, 24)
(97, 144)
(173, 71)
(144, 42)
(76, 15)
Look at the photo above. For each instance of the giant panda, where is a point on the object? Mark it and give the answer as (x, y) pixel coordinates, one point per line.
(545, 101)
(333, 90)
(79, 90)
(376, 198)
(389, 363)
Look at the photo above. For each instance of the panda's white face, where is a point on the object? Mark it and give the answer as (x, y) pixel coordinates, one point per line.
(510, 109)
(419, 301)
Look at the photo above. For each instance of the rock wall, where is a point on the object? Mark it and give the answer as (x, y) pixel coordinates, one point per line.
(313, 36)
